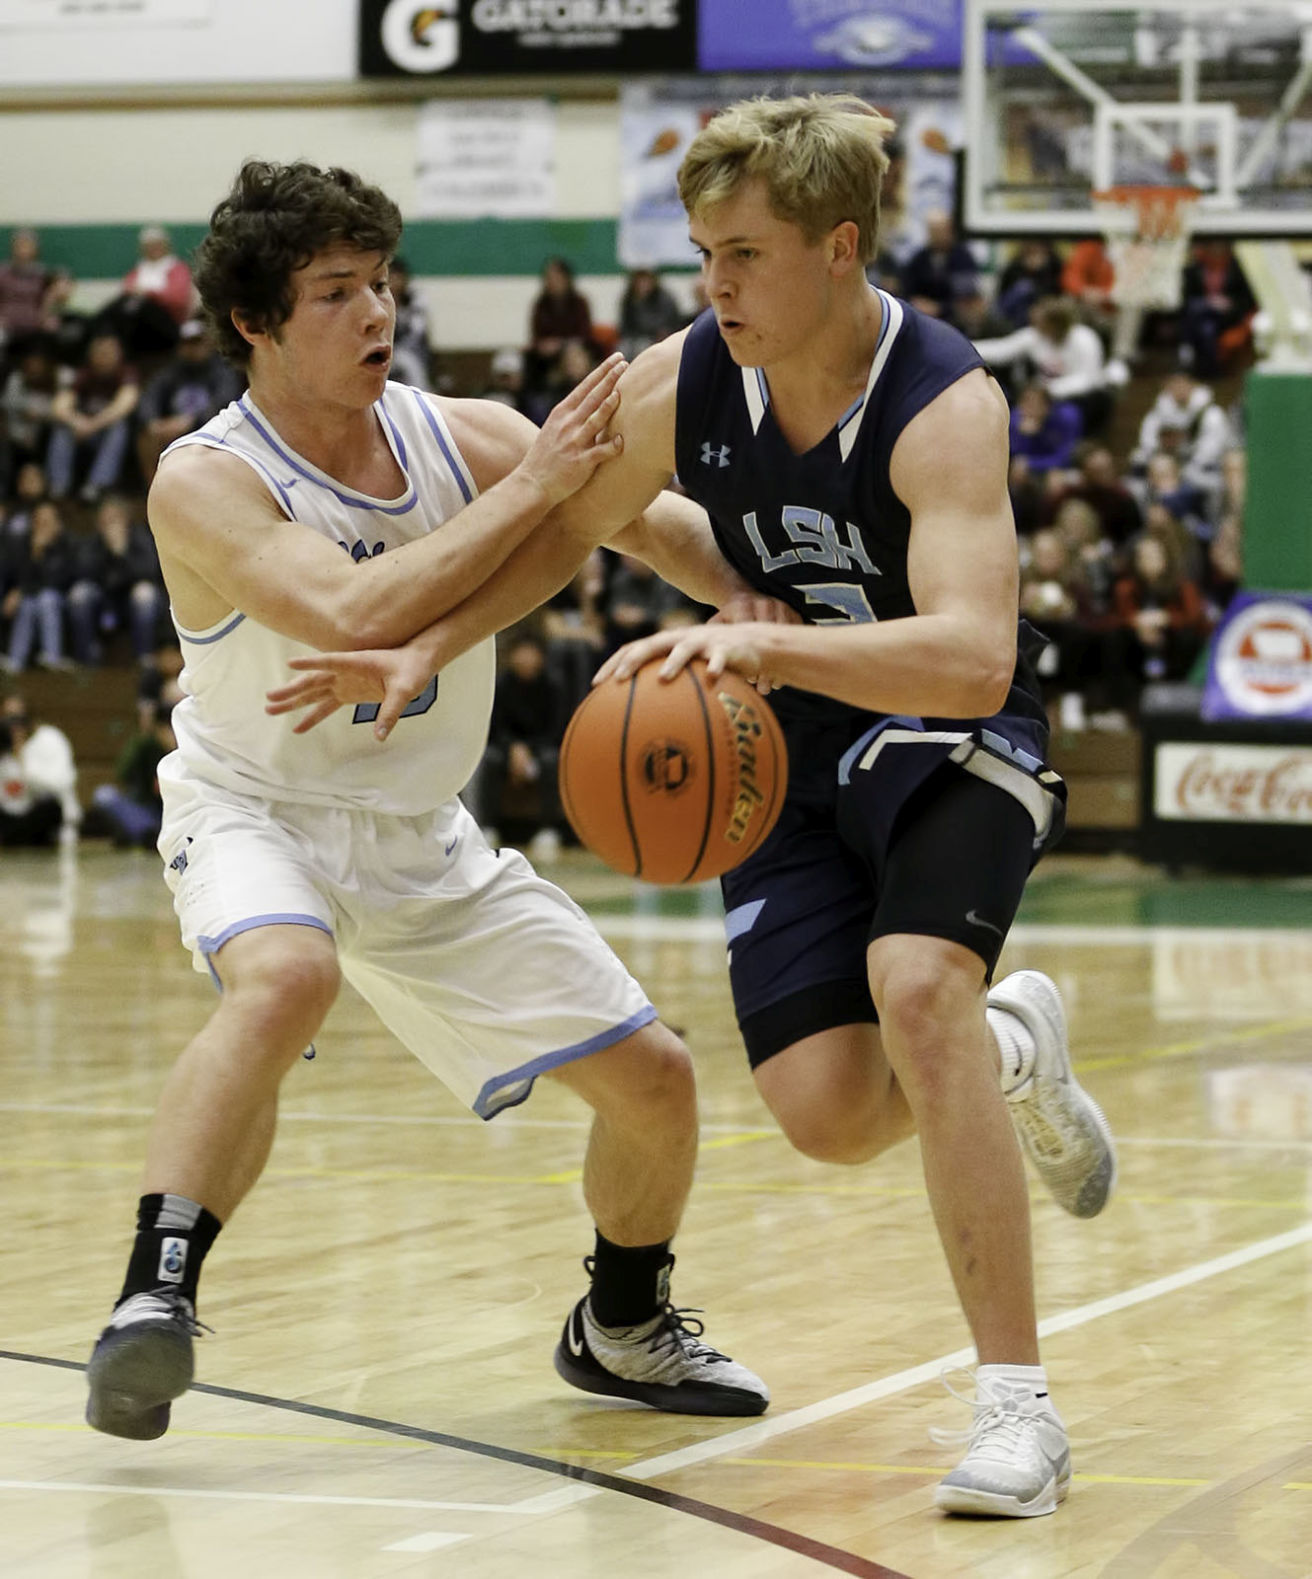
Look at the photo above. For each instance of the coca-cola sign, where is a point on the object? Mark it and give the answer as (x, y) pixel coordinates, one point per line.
(1196, 782)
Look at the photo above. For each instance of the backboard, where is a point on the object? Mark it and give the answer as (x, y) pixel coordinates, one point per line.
(1062, 100)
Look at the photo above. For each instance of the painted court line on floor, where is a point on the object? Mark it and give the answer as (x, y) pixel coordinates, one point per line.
(710, 929)
(98, 1488)
(429, 1541)
(741, 1441)
(657, 1496)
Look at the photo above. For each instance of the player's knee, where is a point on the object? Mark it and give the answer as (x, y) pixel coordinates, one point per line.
(667, 1083)
(921, 1016)
(647, 1085)
(282, 992)
(825, 1134)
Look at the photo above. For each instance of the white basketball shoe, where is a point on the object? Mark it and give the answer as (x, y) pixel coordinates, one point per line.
(1018, 1461)
(1060, 1125)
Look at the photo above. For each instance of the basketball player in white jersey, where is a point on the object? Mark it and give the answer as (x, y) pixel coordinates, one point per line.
(852, 456)
(325, 508)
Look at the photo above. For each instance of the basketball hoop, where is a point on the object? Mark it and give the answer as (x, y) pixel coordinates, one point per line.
(1147, 230)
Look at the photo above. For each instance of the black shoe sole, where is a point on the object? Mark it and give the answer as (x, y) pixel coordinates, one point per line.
(585, 1373)
(133, 1377)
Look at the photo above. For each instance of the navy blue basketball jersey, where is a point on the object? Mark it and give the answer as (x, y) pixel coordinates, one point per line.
(824, 531)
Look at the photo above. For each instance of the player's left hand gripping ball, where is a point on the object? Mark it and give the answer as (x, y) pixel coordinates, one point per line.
(673, 781)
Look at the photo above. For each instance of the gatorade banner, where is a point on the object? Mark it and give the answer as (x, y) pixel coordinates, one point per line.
(1260, 664)
(507, 38)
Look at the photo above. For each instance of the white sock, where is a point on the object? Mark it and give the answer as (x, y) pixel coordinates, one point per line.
(1011, 1379)
(1016, 1046)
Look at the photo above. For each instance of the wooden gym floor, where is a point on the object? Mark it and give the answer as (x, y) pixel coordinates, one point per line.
(378, 1398)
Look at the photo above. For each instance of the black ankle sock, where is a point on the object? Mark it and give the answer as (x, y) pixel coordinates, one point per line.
(173, 1238)
(629, 1286)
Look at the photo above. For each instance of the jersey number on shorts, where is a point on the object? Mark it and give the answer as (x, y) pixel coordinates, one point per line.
(851, 602)
(366, 712)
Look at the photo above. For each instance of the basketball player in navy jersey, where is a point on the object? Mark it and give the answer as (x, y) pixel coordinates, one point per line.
(326, 506)
(851, 455)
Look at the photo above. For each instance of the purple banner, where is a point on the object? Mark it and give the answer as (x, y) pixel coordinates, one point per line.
(1260, 665)
(828, 35)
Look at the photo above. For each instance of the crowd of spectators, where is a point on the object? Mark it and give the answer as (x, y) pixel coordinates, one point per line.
(1127, 565)
(1130, 550)
(88, 402)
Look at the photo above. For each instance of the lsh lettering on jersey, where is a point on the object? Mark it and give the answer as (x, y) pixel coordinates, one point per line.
(817, 542)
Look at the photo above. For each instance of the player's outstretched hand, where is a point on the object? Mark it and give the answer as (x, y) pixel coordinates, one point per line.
(723, 646)
(390, 676)
(576, 438)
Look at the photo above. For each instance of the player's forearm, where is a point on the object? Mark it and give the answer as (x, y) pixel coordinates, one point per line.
(535, 572)
(927, 666)
(406, 591)
(684, 554)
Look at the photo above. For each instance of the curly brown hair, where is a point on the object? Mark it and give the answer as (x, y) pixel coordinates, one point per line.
(273, 222)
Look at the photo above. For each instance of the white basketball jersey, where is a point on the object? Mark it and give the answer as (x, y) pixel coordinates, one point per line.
(224, 734)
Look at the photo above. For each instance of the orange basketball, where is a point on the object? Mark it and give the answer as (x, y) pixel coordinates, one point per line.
(673, 781)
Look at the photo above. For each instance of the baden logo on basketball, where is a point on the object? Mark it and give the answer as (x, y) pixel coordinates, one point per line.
(745, 722)
(667, 766)
(1264, 658)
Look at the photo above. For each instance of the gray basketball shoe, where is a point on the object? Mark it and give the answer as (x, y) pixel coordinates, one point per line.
(1060, 1125)
(141, 1362)
(1018, 1461)
(663, 1363)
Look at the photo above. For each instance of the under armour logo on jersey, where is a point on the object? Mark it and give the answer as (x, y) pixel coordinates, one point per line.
(714, 457)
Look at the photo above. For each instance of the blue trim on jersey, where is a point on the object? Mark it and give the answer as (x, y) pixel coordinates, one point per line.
(741, 919)
(456, 470)
(857, 406)
(200, 438)
(211, 946)
(354, 501)
(396, 435)
(487, 1106)
(1002, 747)
(205, 641)
(848, 760)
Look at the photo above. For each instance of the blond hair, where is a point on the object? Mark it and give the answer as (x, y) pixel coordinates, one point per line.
(822, 159)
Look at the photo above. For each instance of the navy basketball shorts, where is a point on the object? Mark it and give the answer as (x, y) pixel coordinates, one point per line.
(950, 861)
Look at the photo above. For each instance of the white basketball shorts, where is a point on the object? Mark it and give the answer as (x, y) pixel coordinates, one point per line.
(486, 972)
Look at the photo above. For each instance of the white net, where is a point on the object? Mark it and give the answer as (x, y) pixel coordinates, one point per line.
(1148, 261)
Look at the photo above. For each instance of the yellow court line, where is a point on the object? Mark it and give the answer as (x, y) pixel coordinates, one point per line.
(1141, 1480)
(565, 1455)
(722, 1186)
(723, 1142)
(226, 1436)
(1202, 1044)
(357, 1175)
(931, 1470)
(1296, 1204)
